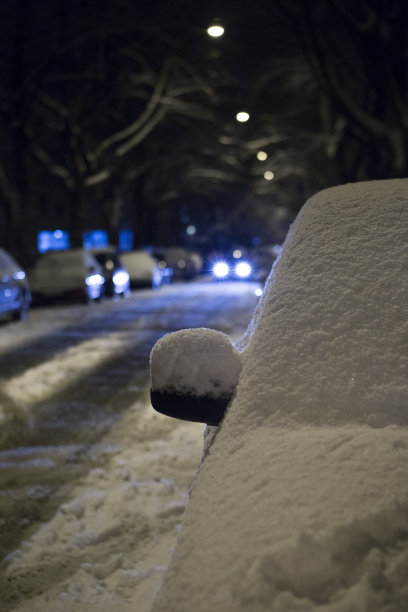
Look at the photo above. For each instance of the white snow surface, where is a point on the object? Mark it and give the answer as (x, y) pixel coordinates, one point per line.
(195, 361)
(109, 542)
(107, 547)
(302, 500)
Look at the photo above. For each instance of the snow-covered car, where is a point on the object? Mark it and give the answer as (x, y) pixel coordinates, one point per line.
(73, 275)
(143, 269)
(116, 276)
(15, 294)
(301, 500)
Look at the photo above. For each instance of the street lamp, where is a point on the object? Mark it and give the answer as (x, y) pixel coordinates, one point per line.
(215, 30)
(242, 116)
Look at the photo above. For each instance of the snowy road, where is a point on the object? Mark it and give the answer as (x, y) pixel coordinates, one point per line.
(93, 483)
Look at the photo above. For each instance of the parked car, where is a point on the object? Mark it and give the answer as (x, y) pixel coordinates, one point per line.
(116, 276)
(73, 275)
(143, 269)
(300, 501)
(181, 264)
(15, 294)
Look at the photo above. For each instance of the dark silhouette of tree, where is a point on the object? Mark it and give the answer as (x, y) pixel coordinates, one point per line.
(349, 58)
(80, 105)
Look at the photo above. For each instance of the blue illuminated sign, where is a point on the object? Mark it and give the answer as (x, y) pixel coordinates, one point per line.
(56, 240)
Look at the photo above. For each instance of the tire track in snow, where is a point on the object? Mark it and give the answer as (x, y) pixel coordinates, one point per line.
(36, 384)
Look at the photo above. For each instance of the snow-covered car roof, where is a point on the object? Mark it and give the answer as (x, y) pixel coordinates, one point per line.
(138, 263)
(301, 502)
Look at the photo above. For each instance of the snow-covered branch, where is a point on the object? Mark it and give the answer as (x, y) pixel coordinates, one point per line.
(142, 133)
(54, 169)
(131, 130)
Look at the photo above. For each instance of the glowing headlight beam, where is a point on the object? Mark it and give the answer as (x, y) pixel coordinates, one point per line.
(243, 269)
(221, 269)
(120, 278)
(94, 279)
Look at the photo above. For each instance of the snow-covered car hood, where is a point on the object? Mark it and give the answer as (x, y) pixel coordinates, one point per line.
(302, 502)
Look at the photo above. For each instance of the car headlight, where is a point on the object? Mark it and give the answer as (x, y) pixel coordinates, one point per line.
(221, 269)
(243, 269)
(120, 277)
(94, 279)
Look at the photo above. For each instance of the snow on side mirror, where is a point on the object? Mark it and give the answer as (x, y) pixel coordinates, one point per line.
(194, 373)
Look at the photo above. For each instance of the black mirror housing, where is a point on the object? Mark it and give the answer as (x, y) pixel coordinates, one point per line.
(194, 374)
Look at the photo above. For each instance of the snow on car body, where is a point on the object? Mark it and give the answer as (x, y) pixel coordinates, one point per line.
(72, 274)
(15, 294)
(142, 268)
(301, 502)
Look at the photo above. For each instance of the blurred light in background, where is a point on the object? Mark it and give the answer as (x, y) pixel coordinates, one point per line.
(191, 230)
(261, 155)
(121, 277)
(96, 238)
(243, 269)
(56, 240)
(268, 175)
(221, 269)
(125, 240)
(237, 254)
(242, 116)
(94, 279)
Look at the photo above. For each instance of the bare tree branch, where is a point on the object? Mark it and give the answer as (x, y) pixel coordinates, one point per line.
(53, 168)
(144, 117)
(141, 134)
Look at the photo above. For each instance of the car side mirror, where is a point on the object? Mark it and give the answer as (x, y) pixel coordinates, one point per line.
(194, 374)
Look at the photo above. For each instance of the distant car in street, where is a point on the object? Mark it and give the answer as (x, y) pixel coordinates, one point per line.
(117, 282)
(238, 269)
(15, 294)
(143, 269)
(254, 265)
(300, 501)
(69, 275)
(181, 263)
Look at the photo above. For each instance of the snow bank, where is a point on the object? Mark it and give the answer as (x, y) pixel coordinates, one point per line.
(107, 546)
(195, 361)
(302, 501)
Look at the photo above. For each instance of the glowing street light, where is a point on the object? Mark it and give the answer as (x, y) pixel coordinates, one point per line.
(261, 155)
(215, 30)
(242, 116)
